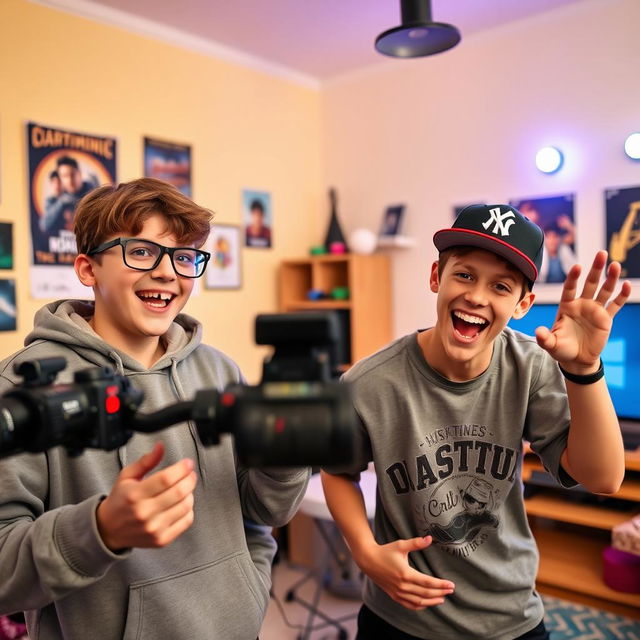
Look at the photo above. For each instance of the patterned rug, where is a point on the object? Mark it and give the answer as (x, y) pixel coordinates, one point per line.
(569, 621)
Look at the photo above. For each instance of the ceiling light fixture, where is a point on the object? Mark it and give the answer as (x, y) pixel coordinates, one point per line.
(418, 35)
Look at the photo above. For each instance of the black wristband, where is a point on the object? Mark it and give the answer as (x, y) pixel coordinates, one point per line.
(590, 378)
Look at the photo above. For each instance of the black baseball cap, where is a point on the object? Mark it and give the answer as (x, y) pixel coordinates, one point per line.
(498, 228)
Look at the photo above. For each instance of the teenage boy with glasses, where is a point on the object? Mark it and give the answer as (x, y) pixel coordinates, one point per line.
(106, 544)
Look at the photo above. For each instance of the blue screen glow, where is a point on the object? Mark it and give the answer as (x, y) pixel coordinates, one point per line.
(621, 356)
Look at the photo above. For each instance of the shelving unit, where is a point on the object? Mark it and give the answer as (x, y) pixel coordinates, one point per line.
(366, 314)
(571, 535)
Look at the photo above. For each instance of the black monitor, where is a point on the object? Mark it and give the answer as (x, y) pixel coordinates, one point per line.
(621, 358)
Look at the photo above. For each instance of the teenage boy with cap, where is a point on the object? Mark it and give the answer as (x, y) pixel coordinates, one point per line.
(444, 412)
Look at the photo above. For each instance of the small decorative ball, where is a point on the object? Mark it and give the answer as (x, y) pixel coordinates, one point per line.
(363, 241)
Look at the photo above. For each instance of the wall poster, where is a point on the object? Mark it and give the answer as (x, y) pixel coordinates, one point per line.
(258, 218)
(6, 245)
(555, 215)
(168, 161)
(8, 308)
(64, 166)
(623, 229)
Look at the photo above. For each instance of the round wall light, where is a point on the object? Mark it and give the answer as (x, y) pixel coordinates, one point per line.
(549, 159)
(632, 146)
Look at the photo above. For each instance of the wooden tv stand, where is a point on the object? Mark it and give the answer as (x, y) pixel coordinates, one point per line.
(571, 532)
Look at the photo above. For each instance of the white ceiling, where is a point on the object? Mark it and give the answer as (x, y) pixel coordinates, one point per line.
(317, 39)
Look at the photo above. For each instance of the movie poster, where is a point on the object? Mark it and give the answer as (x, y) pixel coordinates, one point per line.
(623, 229)
(170, 162)
(6, 245)
(555, 215)
(63, 167)
(8, 308)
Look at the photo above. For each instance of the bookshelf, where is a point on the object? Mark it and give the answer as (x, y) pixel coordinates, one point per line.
(367, 311)
(571, 533)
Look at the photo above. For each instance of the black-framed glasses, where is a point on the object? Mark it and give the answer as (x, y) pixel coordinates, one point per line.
(145, 255)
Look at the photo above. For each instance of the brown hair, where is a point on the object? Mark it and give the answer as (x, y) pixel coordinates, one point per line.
(112, 209)
(463, 250)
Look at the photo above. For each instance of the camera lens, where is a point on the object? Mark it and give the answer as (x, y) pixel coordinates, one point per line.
(14, 415)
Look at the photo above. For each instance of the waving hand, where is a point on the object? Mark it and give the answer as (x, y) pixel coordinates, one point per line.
(582, 326)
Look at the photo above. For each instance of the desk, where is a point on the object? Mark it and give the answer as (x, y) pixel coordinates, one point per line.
(314, 505)
(336, 571)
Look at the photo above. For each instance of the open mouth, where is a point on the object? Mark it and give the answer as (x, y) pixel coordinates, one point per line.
(468, 326)
(156, 299)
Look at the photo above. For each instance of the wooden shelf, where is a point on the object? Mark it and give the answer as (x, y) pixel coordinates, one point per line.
(632, 460)
(397, 242)
(549, 504)
(573, 562)
(572, 534)
(317, 304)
(630, 489)
(367, 312)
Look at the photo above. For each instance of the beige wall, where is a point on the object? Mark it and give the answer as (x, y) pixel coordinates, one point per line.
(463, 126)
(458, 127)
(247, 130)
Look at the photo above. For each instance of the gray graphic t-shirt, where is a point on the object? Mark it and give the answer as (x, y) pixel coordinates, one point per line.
(448, 458)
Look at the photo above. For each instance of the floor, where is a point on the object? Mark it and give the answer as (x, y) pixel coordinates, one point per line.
(289, 620)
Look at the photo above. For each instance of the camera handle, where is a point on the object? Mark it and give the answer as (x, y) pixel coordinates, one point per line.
(202, 410)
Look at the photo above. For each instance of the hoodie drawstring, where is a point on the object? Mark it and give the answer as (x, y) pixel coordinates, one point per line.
(192, 427)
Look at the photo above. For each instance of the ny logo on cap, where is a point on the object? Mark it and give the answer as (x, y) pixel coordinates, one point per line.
(502, 221)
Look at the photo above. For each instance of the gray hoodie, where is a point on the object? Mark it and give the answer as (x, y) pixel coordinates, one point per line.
(212, 582)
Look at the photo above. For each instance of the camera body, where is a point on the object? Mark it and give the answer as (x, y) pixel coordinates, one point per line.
(299, 414)
(91, 412)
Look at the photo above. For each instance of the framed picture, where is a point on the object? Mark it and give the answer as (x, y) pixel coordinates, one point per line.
(258, 218)
(6, 245)
(623, 217)
(555, 216)
(168, 161)
(224, 270)
(8, 309)
(392, 221)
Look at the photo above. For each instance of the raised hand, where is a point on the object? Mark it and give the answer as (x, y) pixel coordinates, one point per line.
(388, 566)
(583, 324)
(148, 511)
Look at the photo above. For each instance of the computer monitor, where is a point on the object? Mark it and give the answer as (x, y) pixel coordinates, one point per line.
(621, 358)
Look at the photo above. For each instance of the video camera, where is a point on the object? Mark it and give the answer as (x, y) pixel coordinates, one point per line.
(299, 414)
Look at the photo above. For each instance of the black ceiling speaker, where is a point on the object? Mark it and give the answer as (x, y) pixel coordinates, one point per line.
(417, 35)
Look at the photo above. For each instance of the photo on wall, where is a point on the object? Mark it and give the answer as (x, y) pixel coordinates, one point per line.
(258, 218)
(64, 166)
(8, 308)
(6, 245)
(623, 228)
(392, 221)
(224, 270)
(556, 217)
(168, 161)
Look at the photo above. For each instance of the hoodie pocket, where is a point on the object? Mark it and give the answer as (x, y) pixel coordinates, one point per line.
(223, 600)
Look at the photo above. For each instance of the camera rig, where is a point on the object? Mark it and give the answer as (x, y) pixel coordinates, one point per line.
(298, 415)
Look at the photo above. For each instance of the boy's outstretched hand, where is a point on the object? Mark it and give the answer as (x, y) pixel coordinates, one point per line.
(582, 326)
(148, 511)
(388, 566)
